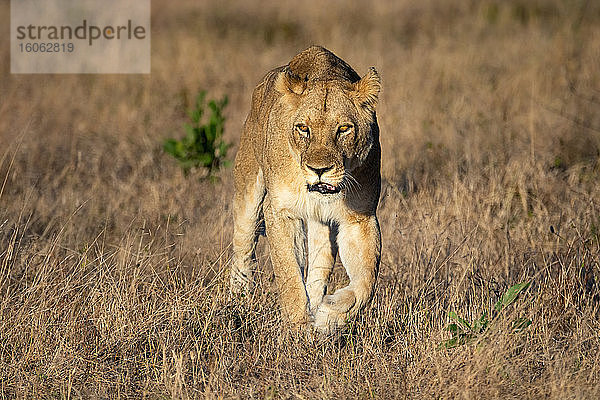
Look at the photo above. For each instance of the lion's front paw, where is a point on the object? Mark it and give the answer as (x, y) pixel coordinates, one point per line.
(333, 311)
(241, 282)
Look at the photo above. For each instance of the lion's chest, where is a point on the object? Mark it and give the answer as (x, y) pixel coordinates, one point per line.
(310, 205)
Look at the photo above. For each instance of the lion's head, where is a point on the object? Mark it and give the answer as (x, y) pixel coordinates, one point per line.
(330, 116)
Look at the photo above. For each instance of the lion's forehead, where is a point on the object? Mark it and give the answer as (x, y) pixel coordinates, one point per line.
(326, 105)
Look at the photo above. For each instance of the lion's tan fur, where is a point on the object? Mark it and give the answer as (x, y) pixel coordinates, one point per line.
(276, 163)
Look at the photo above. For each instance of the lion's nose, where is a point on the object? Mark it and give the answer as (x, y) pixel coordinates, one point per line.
(319, 171)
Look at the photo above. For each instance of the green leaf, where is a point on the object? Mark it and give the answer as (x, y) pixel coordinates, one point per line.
(450, 343)
(511, 295)
(481, 324)
(169, 146)
(200, 99)
(195, 115)
(190, 133)
(211, 132)
(452, 328)
(180, 149)
(464, 324)
(206, 159)
(222, 148)
(213, 107)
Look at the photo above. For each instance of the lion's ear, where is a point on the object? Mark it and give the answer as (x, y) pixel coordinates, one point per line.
(366, 90)
(288, 82)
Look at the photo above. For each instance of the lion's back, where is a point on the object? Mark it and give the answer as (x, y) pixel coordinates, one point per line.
(319, 64)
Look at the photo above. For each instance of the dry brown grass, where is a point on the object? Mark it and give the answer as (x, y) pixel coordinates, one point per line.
(113, 265)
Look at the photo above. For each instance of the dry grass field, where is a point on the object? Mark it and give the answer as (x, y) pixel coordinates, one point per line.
(114, 265)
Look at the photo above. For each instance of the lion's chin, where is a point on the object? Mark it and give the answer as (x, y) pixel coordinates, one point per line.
(323, 188)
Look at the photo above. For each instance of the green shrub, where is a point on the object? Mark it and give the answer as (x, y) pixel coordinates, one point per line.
(203, 145)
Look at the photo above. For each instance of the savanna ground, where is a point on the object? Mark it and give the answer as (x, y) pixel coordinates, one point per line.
(113, 265)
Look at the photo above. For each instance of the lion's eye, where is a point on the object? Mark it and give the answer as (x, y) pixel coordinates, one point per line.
(344, 128)
(302, 129)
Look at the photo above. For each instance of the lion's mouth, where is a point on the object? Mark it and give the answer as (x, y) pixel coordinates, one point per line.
(323, 188)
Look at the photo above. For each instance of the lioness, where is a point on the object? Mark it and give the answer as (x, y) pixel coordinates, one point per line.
(308, 164)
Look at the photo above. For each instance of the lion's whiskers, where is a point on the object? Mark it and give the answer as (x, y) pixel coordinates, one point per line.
(349, 182)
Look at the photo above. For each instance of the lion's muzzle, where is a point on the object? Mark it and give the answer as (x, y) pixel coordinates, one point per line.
(323, 188)
(320, 175)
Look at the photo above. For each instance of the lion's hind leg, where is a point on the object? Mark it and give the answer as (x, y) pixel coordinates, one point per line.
(247, 210)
